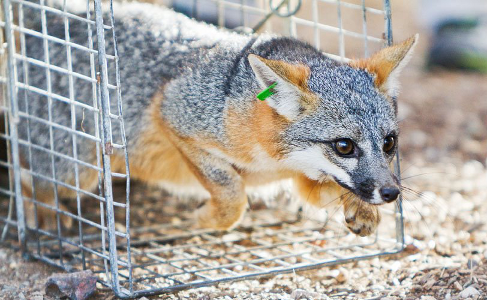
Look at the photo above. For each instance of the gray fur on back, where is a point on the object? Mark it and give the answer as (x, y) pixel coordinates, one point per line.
(155, 46)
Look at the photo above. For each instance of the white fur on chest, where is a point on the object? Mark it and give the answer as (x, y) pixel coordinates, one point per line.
(261, 160)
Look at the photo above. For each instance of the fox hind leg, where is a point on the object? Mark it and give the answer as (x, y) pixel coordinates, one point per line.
(41, 216)
(38, 216)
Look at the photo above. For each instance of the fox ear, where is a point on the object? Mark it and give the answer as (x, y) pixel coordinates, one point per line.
(290, 90)
(387, 64)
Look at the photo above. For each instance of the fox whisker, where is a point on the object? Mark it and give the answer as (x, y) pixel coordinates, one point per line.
(430, 202)
(422, 174)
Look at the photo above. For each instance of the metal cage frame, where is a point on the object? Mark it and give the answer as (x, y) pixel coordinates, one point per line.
(116, 252)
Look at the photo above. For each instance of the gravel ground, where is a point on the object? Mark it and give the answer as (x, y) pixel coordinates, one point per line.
(444, 149)
(446, 256)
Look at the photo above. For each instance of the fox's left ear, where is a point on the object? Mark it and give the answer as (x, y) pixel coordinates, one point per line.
(291, 95)
(387, 64)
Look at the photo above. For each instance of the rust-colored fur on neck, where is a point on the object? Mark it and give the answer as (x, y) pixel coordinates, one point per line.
(157, 159)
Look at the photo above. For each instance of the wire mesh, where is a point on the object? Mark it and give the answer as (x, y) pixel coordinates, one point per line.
(342, 29)
(71, 122)
(134, 250)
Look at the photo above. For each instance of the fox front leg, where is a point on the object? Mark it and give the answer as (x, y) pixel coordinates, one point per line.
(360, 217)
(226, 207)
(228, 202)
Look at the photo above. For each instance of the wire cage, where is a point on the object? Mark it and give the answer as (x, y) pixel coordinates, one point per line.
(134, 246)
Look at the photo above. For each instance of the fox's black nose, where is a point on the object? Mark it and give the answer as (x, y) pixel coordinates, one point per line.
(389, 193)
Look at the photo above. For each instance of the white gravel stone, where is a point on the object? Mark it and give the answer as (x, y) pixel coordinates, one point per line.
(469, 292)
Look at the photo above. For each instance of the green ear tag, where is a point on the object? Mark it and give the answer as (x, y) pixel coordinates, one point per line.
(267, 92)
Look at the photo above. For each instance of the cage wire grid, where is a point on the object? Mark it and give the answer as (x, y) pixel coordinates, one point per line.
(130, 256)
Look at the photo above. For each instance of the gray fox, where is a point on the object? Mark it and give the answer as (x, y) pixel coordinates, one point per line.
(192, 118)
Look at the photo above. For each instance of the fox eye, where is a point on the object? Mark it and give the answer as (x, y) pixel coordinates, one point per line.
(389, 143)
(344, 147)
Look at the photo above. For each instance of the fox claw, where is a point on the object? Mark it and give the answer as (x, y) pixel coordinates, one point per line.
(361, 218)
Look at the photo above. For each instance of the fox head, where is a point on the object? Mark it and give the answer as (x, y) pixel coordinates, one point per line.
(340, 118)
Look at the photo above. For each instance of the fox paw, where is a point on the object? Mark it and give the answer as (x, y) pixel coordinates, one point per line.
(361, 218)
(219, 217)
(46, 218)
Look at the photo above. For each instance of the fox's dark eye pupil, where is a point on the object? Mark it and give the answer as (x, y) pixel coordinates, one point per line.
(344, 147)
(389, 143)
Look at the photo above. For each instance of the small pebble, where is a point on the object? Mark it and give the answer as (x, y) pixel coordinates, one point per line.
(457, 285)
(396, 282)
(378, 287)
(37, 297)
(342, 276)
(298, 294)
(334, 273)
(469, 292)
(431, 244)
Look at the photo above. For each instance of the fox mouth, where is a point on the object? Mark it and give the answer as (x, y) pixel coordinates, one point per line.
(342, 184)
(356, 193)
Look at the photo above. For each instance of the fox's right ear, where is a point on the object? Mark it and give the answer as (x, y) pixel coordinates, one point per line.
(387, 64)
(289, 99)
